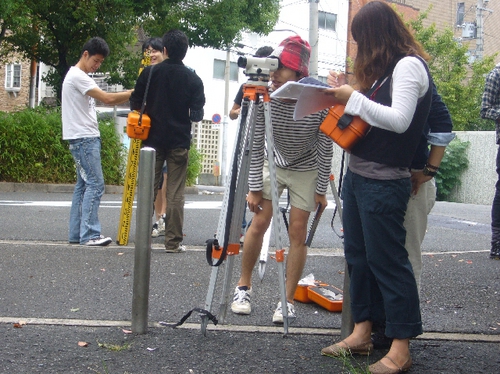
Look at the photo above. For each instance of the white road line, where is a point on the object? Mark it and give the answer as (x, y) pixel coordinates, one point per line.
(312, 252)
(459, 337)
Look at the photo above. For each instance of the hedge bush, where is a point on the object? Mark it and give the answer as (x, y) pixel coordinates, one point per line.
(454, 163)
(32, 150)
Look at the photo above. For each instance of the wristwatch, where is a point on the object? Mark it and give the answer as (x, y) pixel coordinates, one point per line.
(428, 172)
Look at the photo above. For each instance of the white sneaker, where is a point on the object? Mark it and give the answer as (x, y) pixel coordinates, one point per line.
(179, 249)
(278, 313)
(241, 301)
(159, 227)
(101, 241)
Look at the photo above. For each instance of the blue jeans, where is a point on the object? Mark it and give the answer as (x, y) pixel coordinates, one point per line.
(383, 287)
(83, 219)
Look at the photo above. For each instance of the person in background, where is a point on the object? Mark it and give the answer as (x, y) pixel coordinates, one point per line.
(81, 129)
(437, 133)
(153, 47)
(175, 99)
(490, 109)
(303, 157)
(394, 98)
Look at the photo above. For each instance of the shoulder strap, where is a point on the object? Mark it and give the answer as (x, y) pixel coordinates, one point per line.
(384, 77)
(145, 95)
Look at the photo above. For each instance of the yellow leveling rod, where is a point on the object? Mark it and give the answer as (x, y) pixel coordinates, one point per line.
(130, 178)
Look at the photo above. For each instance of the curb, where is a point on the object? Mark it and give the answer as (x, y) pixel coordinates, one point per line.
(66, 188)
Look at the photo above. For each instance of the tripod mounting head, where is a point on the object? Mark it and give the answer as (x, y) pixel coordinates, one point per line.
(258, 69)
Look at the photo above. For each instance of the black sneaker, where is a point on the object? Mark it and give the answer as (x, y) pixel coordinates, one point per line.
(495, 251)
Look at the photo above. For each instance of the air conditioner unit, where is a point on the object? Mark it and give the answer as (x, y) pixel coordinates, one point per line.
(469, 30)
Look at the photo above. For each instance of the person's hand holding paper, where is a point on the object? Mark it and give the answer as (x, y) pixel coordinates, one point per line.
(310, 96)
(341, 94)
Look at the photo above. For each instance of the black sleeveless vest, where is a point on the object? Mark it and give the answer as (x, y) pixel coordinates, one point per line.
(388, 147)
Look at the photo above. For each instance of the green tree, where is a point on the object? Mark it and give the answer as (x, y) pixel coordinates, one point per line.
(212, 23)
(460, 82)
(53, 31)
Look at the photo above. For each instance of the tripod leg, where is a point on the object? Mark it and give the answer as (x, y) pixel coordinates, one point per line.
(264, 251)
(276, 216)
(209, 299)
(239, 206)
(232, 210)
(347, 324)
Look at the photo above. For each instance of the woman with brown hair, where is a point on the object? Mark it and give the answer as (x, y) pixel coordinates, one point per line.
(394, 98)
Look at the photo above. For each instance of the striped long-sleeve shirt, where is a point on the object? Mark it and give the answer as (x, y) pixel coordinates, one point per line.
(298, 145)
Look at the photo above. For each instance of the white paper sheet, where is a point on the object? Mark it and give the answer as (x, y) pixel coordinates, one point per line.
(310, 97)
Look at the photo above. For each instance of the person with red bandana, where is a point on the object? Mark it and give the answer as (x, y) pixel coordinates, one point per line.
(303, 157)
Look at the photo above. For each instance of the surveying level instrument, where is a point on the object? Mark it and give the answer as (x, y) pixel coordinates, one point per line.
(130, 177)
(233, 205)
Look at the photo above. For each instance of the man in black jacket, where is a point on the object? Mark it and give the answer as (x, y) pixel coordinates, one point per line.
(175, 98)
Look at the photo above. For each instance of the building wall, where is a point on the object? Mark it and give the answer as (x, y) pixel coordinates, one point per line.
(10, 101)
(443, 14)
(478, 181)
(206, 138)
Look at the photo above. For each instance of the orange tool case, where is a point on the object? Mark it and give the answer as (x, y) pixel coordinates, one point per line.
(329, 297)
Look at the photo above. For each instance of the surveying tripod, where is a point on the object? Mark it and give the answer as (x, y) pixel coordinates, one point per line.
(226, 243)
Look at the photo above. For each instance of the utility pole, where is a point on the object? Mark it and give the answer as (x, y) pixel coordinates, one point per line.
(480, 8)
(313, 38)
(479, 30)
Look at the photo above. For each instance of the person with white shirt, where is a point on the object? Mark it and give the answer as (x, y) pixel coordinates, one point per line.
(394, 97)
(81, 129)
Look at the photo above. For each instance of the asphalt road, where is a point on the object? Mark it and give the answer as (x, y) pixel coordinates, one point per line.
(69, 293)
(44, 216)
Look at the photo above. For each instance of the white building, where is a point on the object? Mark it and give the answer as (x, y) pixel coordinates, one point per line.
(209, 65)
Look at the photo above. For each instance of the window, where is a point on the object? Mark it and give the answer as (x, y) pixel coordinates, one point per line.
(220, 67)
(13, 77)
(460, 13)
(327, 21)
